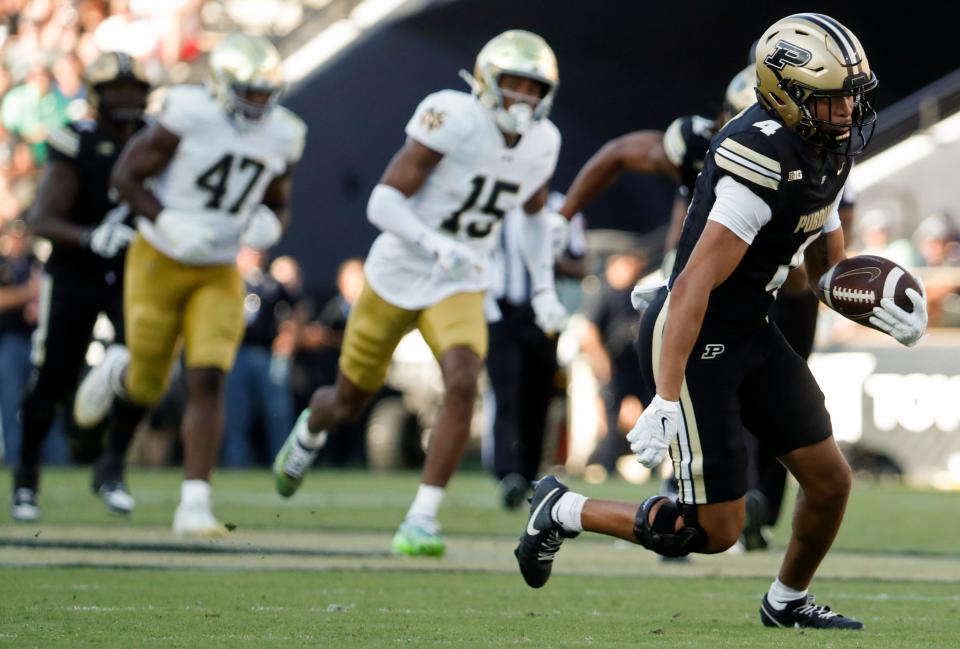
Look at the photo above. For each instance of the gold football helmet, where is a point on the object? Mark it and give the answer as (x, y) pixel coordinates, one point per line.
(741, 92)
(245, 77)
(810, 56)
(119, 68)
(523, 54)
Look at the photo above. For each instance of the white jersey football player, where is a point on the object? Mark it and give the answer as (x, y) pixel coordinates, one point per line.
(468, 160)
(219, 162)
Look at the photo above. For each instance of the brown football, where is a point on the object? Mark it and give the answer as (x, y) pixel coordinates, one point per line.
(857, 284)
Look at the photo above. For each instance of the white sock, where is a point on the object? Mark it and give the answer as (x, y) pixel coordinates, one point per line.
(307, 439)
(566, 511)
(780, 595)
(426, 503)
(195, 490)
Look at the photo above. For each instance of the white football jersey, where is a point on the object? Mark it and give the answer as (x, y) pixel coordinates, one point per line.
(466, 196)
(219, 170)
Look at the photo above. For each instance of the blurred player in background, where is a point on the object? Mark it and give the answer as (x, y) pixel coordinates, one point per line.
(522, 364)
(78, 212)
(213, 172)
(768, 192)
(468, 160)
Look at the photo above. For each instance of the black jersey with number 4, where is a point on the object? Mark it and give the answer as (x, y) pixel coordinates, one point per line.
(686, 142)
(92, 151)
(798, 181)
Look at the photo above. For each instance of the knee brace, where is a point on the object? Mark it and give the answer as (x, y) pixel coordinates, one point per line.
(661, 537)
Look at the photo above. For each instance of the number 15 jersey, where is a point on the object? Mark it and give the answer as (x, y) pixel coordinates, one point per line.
(478, 180)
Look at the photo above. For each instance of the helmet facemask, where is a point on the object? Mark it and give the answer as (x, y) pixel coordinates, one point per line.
(846, 139)
(519, 54)
(245, 78)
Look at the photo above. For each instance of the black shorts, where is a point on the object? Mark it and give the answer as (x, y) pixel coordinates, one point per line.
(736, 381)
(796, 317)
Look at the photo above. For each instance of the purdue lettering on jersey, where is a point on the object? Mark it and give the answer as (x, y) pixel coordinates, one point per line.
(752, 152)
(478, 180)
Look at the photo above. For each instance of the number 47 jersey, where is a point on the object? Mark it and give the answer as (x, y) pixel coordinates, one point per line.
(478, 180)
(219, 171)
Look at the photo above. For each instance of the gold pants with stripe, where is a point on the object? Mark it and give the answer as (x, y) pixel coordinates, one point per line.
(375, 327)
(168, 304)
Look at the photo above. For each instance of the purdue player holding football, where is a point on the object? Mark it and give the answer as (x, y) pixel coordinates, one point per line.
(78, 213)
(220, 160)
(468, 159)
(768, 194)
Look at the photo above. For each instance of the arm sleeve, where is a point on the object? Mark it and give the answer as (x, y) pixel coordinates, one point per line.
(537, 252)
(390, 210)
(438, 124)
(739, 210)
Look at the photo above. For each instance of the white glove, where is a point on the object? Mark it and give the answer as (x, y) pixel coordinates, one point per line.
(906, 328)
(110, 237)
(455, 259)
(655, 431)
(191, 237)
(642, 296)
(263, 229)
(548, 313)
(559, 228)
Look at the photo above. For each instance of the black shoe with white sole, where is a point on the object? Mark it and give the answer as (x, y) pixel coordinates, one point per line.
(25, 508)
(805, 613)
(542, 537)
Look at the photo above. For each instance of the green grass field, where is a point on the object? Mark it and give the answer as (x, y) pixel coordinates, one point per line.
(315, 571)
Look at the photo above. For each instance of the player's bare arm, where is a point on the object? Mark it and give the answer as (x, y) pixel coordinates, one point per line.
(713, 259)
(57, 192)
(823, 254)
(410, 167)
(639, 152)
(277, 195)
(145, 156)
(538, 201)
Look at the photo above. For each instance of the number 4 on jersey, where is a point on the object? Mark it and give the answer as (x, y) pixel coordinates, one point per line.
(217, 177)
(768, 126)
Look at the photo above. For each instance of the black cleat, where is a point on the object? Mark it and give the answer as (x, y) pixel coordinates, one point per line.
(754, 536)
(542, 537)
(513, 490)
(805, 613)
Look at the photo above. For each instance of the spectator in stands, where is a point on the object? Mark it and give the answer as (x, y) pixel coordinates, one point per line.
(318, 353)
(19, 304)
(878, 234)
(608, 342)
(938, 240)
(258, 389)
(34, 108)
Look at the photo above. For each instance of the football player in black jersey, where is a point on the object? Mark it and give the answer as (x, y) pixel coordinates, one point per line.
(768, 193)
(77, 211)
(676, 154)
(679, 154)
